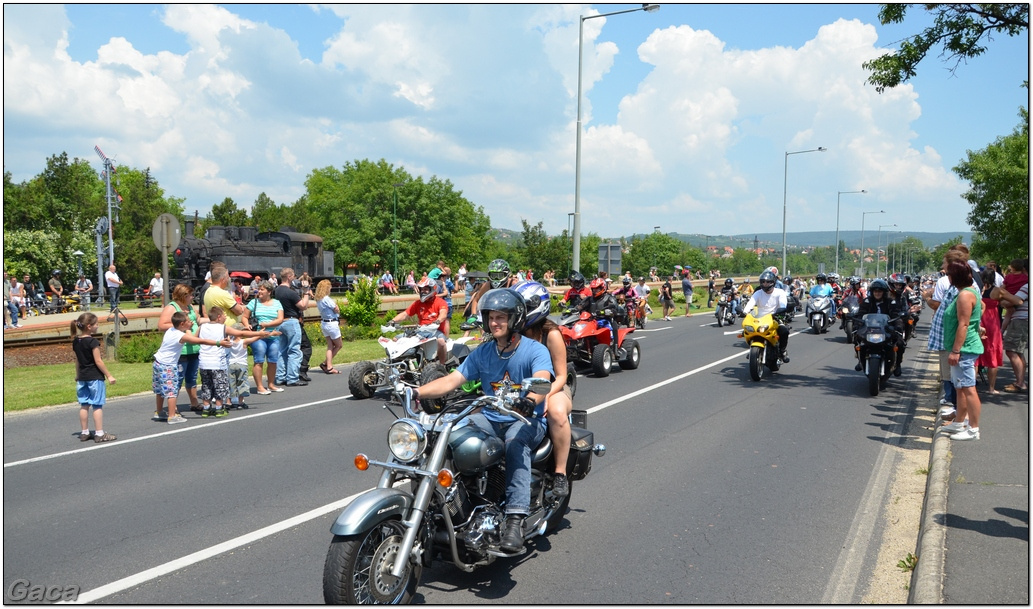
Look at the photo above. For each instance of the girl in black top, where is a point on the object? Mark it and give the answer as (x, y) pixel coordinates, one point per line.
(90, 373)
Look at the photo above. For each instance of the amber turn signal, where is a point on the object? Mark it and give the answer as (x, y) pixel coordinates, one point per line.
(361, 462)
(445, 478)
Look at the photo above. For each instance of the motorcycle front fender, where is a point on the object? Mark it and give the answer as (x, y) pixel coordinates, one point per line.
(370, 508)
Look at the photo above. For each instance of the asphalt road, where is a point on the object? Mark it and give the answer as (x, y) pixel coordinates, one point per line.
(714, 489)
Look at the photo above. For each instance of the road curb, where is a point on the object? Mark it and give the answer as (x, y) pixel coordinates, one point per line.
(927, 581)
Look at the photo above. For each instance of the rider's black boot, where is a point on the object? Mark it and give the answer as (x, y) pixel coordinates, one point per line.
(513, 535)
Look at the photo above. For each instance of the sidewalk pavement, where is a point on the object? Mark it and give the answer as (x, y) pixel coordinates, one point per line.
(973, 545)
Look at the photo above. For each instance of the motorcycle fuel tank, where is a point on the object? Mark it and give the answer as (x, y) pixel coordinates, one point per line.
(473, 450)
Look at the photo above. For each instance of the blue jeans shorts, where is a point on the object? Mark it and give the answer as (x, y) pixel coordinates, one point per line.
(964, 374)
(91, 393)
(266, 350)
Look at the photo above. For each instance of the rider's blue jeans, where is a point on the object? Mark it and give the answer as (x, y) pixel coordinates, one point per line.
(520, 441)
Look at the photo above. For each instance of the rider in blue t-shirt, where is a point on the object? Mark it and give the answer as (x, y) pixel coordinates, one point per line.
(507, 359)
(823, 290)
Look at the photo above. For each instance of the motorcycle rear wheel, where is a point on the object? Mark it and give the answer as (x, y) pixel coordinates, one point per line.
(555, 516)
(359, 380)
(357, 568)
(631, 360)
(756, 367)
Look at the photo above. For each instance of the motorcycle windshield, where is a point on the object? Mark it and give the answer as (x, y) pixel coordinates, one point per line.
(875, 320)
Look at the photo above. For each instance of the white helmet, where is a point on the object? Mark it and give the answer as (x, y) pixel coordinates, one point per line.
(536, 301)
(429, 294)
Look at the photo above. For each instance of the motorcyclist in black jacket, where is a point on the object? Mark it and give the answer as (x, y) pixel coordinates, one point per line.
(881, 300)
(601, 304)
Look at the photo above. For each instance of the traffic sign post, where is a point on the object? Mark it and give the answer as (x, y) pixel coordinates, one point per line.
(166, 232)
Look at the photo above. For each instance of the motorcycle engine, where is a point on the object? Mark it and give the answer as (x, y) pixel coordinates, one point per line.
(484, 529)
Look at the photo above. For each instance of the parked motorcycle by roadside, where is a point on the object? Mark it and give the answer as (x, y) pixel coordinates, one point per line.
(451, 507)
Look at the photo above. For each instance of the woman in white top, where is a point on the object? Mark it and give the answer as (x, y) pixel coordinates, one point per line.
(330, 314)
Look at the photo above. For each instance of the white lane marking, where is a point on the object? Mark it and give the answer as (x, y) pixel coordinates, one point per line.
(190, 559)
(207, 425)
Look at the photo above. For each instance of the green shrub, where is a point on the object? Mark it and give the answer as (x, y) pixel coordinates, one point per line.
(138, 348)
(363, 305)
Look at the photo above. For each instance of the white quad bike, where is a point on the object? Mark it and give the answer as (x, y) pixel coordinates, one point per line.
(412, 358)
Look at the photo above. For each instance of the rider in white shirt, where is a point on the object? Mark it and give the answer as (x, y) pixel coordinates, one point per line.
(770, 300)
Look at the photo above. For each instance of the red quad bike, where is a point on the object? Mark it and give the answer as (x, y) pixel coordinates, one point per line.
(588, 340)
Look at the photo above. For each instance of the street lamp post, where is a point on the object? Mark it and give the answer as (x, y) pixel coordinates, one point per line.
(649, 8)
(881, 226)
(785, 187)
(78, 259)
(394, 229)
(838, 194)
(863, 214)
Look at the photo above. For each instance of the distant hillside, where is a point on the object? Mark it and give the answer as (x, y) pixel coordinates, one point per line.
(852, 238)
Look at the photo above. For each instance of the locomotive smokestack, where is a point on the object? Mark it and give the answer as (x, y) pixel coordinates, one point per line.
(188, 229)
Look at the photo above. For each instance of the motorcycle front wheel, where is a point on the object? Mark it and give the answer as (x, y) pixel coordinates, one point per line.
(756, 365)
(361, 379)
(358, 568)
(720, 319)
(874, 370)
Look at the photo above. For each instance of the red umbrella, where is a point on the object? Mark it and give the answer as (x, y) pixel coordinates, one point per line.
(243, 274)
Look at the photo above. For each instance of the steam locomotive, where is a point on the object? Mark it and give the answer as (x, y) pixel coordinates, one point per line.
(243, 248)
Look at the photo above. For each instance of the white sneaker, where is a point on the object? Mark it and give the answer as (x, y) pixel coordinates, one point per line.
(177, 419)
(955, 427)
(972, 433)
(947, 411)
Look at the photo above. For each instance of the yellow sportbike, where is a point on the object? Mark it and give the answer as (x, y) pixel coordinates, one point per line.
(761, 336)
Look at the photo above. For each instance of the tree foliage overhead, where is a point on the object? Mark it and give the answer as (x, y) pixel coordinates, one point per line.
(961, 29)
(999, 195)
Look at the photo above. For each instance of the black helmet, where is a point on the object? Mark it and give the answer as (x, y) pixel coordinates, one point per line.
(498, 272)
(821, 277)
(508, 301)
(626, 281)
(767, 281)
(56, 273)
(855, 281)
(729, 283)
(879, 284)
(577, 280)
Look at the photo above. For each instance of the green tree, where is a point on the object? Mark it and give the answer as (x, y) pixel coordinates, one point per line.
(227, 214)
(998, 176)
(266, 214)
(353, 210)
(959, 28)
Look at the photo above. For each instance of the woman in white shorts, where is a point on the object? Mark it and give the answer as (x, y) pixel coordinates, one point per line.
(330, 314)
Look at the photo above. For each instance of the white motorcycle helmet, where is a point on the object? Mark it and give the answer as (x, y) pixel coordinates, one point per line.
(428, 294)
(536, 301)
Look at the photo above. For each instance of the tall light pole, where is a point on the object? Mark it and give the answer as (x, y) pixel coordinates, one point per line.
(881, 226)
(863, 214)
(838, 194)
(577, 155)
(785, 187)
(394, 228)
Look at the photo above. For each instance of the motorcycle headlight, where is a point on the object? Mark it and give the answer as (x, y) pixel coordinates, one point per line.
(763, 329)
(876, 337)
(406, 440)
(748, 329)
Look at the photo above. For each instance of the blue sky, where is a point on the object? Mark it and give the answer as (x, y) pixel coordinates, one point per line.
(687, 114)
